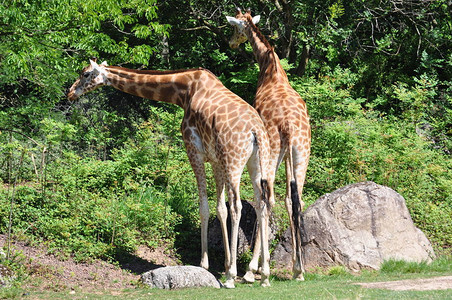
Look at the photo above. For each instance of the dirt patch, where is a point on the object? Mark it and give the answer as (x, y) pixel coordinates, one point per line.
(422, 284)
(50, 272)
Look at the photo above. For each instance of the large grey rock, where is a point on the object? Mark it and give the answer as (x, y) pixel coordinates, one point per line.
(358, 226)
(177, 277)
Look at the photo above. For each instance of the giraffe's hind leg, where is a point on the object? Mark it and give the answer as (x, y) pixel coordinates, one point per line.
(295, 205)
(235, 206)
(255, 175)
(263, 210)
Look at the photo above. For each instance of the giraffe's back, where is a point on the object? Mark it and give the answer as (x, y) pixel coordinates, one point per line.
(227, 124)
(281, 104)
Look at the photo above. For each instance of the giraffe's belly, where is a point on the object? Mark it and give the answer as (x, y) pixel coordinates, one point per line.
(203, 146)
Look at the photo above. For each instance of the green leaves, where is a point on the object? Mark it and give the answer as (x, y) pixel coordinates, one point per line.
(42, 42)
(353, 142)
(57, 132)
(336, 10)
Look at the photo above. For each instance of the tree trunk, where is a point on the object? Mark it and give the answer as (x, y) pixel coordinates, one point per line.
(285, 10)
(304, 59)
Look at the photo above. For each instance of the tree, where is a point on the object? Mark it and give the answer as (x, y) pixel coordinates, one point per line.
(42, 43)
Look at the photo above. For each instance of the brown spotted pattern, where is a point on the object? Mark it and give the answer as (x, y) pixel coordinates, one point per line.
(286, 119)
(218, 127)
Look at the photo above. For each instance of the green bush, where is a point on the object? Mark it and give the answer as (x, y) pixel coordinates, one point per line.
(352, 142)
(95, 208)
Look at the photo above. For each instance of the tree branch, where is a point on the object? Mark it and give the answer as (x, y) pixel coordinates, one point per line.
(20, 133)
(217, 30)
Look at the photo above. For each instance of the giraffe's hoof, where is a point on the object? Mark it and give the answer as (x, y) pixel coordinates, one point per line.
(265, 282)
(298, 276)
(248, 278)
(229, 284)
(204, 266)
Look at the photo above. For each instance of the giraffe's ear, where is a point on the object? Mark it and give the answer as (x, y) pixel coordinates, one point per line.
(104, 63)
(233, 21)
(256, 19)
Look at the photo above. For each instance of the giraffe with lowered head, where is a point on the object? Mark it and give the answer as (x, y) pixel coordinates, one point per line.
(218, 127)
(286, 119)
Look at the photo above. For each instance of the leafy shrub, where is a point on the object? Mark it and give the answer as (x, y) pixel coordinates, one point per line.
(352, 142)
(93, 208)
(337, 271)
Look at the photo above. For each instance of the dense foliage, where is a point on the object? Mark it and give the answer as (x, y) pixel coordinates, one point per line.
(110, 172)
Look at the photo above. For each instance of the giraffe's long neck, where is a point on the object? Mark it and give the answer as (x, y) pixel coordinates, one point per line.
(266, 57)
(166, 86)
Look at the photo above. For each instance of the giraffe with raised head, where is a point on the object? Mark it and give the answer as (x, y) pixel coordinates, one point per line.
(218, 127)
(286, 119)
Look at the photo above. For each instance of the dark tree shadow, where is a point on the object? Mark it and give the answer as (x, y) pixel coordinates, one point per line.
(135, 264)
(188, 245)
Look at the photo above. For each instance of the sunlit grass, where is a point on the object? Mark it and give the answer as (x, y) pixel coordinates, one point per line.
(333, 283)
(442, 264)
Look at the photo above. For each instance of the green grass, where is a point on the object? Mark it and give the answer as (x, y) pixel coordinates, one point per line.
(329, 288)
(441, 264)
(334, 283)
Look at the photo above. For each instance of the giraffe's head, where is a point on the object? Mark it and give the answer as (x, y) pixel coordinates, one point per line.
(92, 77)
(240, 22)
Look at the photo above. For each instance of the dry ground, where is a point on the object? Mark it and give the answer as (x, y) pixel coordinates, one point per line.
(422, 284)
(51, 272)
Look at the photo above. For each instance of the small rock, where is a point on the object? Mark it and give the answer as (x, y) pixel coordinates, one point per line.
(177, 277)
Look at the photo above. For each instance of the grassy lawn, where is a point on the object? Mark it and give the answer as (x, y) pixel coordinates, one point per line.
(333, 284)
(331, 288)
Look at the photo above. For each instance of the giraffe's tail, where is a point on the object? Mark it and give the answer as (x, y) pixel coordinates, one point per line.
(265, 192)
(263, 165)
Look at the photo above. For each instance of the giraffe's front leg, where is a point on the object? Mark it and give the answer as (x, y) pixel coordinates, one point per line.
(192, 144)
(222, 214)
(204, 216)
